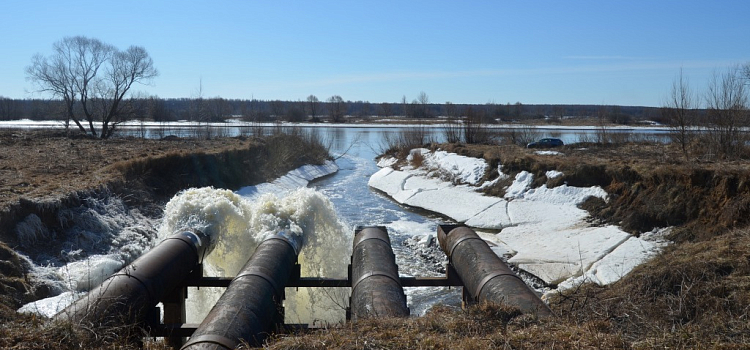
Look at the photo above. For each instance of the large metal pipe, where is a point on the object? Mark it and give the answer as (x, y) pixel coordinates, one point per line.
(130, 295)
(249, 308)
(376, 287)
(484, 275)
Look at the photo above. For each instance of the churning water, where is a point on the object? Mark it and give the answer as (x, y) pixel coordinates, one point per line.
(237, 225)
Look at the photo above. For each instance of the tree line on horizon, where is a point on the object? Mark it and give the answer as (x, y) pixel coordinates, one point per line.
(218, 109)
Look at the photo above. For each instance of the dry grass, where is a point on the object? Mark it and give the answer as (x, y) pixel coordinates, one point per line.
(693, 295)
(26, 332)
(485, 326)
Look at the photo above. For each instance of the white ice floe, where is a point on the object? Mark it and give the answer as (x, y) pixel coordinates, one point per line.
(542, 229)
(449, 166)
(51, 306)
(386, 162)
(294, 179)
(467, 170)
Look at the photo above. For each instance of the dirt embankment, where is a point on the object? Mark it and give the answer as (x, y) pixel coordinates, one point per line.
(42, 172)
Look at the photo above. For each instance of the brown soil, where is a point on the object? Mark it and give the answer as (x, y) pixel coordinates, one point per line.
(47, 165)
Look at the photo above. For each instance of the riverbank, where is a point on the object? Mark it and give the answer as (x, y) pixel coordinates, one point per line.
(695, 293)
(45, 177)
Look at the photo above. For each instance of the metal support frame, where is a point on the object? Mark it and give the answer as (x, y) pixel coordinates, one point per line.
(471, 265)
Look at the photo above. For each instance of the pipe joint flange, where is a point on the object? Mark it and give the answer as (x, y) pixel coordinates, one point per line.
(256, 271)
(211, 339)
(489, 277)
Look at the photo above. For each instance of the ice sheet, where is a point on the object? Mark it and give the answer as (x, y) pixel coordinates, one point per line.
(542, 229)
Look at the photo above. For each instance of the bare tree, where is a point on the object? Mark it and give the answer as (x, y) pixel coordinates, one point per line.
(218, 109)
(198, 109)
(9, 108)
(313, 107)
(727, 105)
(473, 127)
(295, 113)
(404, 107)
(365, 111)
(680, 111)
(158, 110)
(424, 102)
(558, 112)
(278, 109)
(602, 126)
(336, 108)
(452, 129)
(93, 79)
(386, 110)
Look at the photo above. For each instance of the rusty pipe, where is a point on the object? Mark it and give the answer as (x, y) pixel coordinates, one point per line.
(130, 295)
(376, 287)
(249, 308)
(484, 275)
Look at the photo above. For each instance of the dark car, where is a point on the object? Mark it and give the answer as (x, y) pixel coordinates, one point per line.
(546, 143)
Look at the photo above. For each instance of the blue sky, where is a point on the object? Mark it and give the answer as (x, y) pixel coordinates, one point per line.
(572, 52)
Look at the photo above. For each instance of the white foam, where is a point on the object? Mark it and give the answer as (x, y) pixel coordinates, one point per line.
(238, 224)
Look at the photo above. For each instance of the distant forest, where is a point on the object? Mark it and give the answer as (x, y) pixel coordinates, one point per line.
(335, 109)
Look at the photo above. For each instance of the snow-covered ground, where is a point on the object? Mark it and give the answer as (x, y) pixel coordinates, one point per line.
(542, 230)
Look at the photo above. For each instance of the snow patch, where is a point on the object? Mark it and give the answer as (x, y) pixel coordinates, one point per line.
(549, 153)
(386, 162)
(520, 185)
(553, 174)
